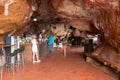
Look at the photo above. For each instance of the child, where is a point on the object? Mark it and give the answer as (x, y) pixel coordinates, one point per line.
(64, 43)
(35, 49)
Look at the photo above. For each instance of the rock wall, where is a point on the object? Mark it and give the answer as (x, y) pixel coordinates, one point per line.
(104, 15)
(13, 14)
(60, 29)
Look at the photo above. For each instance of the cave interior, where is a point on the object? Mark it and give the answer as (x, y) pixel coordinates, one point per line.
(80, 20)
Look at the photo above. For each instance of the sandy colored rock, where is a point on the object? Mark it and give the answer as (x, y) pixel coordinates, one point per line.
(14, 15)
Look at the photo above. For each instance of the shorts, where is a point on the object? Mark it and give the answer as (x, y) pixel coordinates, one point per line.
(64, 47)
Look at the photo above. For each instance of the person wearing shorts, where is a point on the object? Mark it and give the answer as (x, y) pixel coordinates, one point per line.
(64, 43)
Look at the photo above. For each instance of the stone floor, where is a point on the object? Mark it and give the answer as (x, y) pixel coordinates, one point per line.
(55, 66)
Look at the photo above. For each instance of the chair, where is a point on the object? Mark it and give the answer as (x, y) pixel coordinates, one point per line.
(20, 57)
(1, 63)
(15, 59)
(11, 60)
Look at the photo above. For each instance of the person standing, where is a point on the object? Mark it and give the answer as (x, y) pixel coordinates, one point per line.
(64, 43)
(35, 49)
(51, 42)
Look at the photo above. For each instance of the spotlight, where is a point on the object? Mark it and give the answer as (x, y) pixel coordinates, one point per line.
(34, 19)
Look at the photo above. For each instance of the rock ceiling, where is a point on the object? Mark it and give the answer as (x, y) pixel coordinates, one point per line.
(104, 15)
(13, 13)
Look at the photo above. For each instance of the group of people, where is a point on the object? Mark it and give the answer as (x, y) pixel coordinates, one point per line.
(51, 40)
(62, 40)
(59, 40)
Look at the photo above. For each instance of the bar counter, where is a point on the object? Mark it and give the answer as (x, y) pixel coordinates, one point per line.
(28, 51)
(43, 49)
(5, 45)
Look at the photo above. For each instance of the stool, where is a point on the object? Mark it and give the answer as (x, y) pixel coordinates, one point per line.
(20, 57)
(2, 63)
(10, 61)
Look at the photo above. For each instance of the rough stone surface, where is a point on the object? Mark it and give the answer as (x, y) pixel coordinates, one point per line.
(13, 16)
(105, 17)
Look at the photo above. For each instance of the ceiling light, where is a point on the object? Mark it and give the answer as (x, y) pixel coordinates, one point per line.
(34, 19)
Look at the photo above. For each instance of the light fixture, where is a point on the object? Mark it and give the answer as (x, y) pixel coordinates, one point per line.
(43, 30)
(35, 19)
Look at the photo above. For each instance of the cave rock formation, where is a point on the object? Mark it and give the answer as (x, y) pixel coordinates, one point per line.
(13, 14)
(104, 15)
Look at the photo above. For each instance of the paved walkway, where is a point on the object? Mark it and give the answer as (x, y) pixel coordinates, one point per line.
(55, 66)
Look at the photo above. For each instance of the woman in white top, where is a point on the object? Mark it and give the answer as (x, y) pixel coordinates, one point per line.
(35, 49)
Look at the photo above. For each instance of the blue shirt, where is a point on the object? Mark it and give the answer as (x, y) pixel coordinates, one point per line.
(51, 39)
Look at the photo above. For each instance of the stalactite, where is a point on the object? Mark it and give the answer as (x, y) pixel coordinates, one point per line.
(2, 2)
(6, 6)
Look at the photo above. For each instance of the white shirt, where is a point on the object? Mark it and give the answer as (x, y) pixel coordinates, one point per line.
(34, 45)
